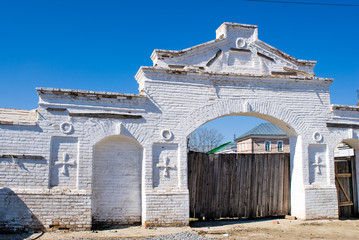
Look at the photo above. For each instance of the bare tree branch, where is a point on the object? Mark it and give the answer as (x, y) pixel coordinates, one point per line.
(204, 139)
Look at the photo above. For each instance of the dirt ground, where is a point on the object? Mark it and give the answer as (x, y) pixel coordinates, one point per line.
(230, 229)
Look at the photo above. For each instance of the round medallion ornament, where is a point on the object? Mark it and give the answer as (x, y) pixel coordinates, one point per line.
(66, 127)
(317, 136)
(166, 134)
(240, 43)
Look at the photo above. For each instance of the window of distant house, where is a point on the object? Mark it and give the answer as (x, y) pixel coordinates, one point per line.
(267, 146)
(239, 148)
(280, 146)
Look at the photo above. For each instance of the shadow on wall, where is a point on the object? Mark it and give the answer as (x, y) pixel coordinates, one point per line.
(15, 216)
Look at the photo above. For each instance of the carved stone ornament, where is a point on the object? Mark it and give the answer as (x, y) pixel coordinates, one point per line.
(240, 43)
(66, 127)
(65, 163)
(166, 134)
(166, 166)
(318, 165)
(317, 136)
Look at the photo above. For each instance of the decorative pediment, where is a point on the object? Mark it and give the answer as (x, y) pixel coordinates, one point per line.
(236, 49)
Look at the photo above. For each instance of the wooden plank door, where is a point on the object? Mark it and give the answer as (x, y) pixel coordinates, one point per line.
(344, 183)
(238, 185)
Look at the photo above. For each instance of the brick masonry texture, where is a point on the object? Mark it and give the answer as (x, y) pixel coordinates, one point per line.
(117, 184)
(100, 158)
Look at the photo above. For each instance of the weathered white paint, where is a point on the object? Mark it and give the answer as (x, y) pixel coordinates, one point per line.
(142, 139)
(116, 194)
(18, 115)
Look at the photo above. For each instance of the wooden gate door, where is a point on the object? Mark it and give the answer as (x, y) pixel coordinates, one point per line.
(344, 180)
(238, 185)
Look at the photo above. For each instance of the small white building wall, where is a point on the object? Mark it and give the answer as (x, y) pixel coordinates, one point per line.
(33, 181)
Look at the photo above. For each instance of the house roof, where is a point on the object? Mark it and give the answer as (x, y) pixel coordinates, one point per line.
(263, 129)
(230, 148)
(219, 147)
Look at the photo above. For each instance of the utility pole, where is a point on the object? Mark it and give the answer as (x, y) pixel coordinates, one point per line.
(357, 97)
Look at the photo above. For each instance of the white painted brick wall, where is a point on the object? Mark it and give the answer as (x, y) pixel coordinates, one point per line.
(179, 101)
(165, 166)
(18, 115)
(117, 181)
(167, 209)
(33, 172)
(64, 163)
(44, 210)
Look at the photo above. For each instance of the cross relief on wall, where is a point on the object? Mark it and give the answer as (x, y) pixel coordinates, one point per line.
(165, 161)
(166, 165)
(65, 163)
(317, 161)
(64, 157)
(318, 164)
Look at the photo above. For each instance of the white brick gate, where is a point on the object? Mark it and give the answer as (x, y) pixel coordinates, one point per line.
(121, 158)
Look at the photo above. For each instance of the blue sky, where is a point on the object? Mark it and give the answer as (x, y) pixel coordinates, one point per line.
(100, 45)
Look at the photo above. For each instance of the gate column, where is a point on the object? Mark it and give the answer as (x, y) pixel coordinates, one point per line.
(165, 194)
(313, 191)
(297, 181)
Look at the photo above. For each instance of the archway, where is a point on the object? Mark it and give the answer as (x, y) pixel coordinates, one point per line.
(116, 187)
(253, 183)
(346, 177)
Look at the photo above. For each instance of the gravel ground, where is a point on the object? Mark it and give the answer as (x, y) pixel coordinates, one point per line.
(178, 236)
(263, 229)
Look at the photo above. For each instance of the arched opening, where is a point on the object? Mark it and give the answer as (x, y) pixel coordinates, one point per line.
(248, 176)
(346, 177)
(116, 196)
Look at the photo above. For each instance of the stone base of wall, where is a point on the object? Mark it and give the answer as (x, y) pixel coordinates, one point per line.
(321, 203)
(48, 210)
(113, 224)
(45, 210)
(167, 209)
(174, 223)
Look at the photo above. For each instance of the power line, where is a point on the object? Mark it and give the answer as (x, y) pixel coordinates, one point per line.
(307, 3)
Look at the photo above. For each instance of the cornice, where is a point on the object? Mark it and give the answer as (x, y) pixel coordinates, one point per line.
(345, 108)
(164, 74)
(172, 53)
(91, 94)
